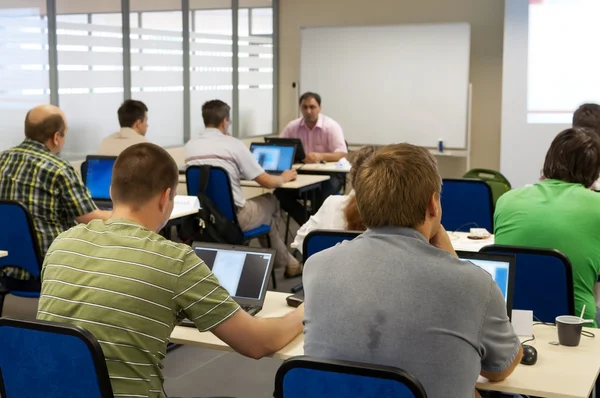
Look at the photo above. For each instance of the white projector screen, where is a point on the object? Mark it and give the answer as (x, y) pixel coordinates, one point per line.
(390, 84)
(551, 66)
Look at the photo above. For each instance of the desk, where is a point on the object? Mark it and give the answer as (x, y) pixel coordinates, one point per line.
(461, 242)
(3, 253)
(560, 372)
(330, 167)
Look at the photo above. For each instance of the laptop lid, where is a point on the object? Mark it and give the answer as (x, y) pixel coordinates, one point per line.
(300, 155)
(502, 269)
(273, 158)
(99, 175)
(243, 271)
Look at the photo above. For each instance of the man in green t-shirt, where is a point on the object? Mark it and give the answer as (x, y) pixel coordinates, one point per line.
(561, 211)
(130, 286)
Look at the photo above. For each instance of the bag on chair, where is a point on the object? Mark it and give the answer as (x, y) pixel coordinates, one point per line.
(214, 226)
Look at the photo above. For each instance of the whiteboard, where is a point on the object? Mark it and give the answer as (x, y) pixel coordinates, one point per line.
(390, 84)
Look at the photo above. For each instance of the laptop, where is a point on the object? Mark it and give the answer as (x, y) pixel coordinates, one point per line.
(297, 142)
(98, 177)
(502, 269)
(274, 159)
(243, 271)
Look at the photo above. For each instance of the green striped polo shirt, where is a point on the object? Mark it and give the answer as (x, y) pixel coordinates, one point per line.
(129, 287)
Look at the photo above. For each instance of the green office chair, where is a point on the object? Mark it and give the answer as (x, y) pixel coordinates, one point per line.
(497, 182)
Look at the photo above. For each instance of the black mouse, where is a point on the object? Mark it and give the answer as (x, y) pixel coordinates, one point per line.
(529, 355)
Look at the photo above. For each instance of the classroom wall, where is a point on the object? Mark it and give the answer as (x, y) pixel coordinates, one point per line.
(487, 24)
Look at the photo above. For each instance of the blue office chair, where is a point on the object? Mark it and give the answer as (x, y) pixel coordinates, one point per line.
(19, 239)
(306, 377)
(51, 360)
(543, 281)
(319, 240)
(467, 203)
(219, 191)
(83, 171)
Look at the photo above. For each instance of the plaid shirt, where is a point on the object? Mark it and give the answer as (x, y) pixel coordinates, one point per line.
(49, 188)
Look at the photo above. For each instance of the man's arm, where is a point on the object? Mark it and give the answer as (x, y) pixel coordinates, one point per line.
(259, 337)
(268, 181)
(499, 376)
(314, 157)
(94, 215)
(441, 240)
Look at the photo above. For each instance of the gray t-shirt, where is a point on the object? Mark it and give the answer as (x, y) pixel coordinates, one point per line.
(390, 298)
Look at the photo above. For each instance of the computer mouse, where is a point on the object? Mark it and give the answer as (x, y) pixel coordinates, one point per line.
(529, 355)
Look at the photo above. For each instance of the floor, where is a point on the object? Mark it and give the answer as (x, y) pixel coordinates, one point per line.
(198, 372)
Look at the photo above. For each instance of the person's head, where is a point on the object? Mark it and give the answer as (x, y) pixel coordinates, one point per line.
(216, 114)
(310, 106)
(587, 115)
(359, 157)
(47, 124)
(574, 156)
(399, 186)
(134, 114)
(144, 183)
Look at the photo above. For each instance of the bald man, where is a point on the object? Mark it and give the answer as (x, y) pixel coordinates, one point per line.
(48, 186)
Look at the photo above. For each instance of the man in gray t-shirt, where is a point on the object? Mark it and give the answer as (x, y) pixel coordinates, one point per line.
(398, 295)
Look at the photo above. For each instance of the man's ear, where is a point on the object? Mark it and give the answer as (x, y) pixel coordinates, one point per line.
(433, 206)
(56, 139)
(165, 197)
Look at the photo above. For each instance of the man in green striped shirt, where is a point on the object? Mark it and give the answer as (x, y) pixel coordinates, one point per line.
(129, 286)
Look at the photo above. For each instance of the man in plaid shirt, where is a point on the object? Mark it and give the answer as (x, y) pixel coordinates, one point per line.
(48, 186)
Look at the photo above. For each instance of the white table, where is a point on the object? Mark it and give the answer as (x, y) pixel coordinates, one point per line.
(329, 167)
(3, 253)
(560, 372)
(179, 213)
(302, 182)
(461, 242)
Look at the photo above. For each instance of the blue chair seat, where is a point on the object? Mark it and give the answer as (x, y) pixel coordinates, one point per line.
(257, 232)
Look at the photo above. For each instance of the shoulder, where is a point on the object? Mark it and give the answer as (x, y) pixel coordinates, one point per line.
(293, 124)
(330, 123)
(335, 201)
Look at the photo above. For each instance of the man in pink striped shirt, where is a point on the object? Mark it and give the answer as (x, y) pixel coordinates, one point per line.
(323, 141)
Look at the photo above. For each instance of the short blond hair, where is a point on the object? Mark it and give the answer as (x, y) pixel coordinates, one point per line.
(394, 186)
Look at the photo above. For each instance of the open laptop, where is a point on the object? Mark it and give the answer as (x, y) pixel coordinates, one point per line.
(243, 271)
(502, 269)
(98, 177)
(297, 142)
(274, 159)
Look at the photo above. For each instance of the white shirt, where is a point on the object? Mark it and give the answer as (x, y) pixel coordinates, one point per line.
(116, 143)
(329, 216)
(214, 148)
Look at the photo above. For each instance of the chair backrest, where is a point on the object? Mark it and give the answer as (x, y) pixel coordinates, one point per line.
(51, 360)
(322, 239)
(83, 171)
(306, 377)
(497, 182)
(466, 203)
(218, 189)
(543, 281)
(18, 237)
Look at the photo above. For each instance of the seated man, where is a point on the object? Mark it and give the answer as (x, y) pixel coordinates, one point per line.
(130, 286)
(216, 147)
(133, 119)
(323, 140)
(398, 295)
(33, 174)
(561, 212)
(338, 212)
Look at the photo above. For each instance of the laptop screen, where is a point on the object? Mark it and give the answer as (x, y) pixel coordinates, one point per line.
(244, 274)
(497, 269)
(98, 177)
(273, 157)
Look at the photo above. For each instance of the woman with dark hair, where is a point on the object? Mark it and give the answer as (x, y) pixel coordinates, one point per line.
(338, 212)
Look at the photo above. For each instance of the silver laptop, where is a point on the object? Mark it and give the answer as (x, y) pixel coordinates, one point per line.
(243, 271)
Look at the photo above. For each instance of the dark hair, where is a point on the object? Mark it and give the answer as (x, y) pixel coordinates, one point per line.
(141, 172)
(214, 112)
(45, 129)
(574, 156)
(130, 112)
(308, 95)
(395, 185)
(587, 115)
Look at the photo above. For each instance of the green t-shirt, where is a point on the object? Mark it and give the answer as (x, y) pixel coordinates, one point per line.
(557, 215)
(129, 287)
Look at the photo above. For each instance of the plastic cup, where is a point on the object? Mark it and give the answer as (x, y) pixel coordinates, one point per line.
(569, 330)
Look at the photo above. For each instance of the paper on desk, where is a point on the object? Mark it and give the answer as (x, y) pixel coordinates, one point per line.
(185, 202)
(343, 163)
